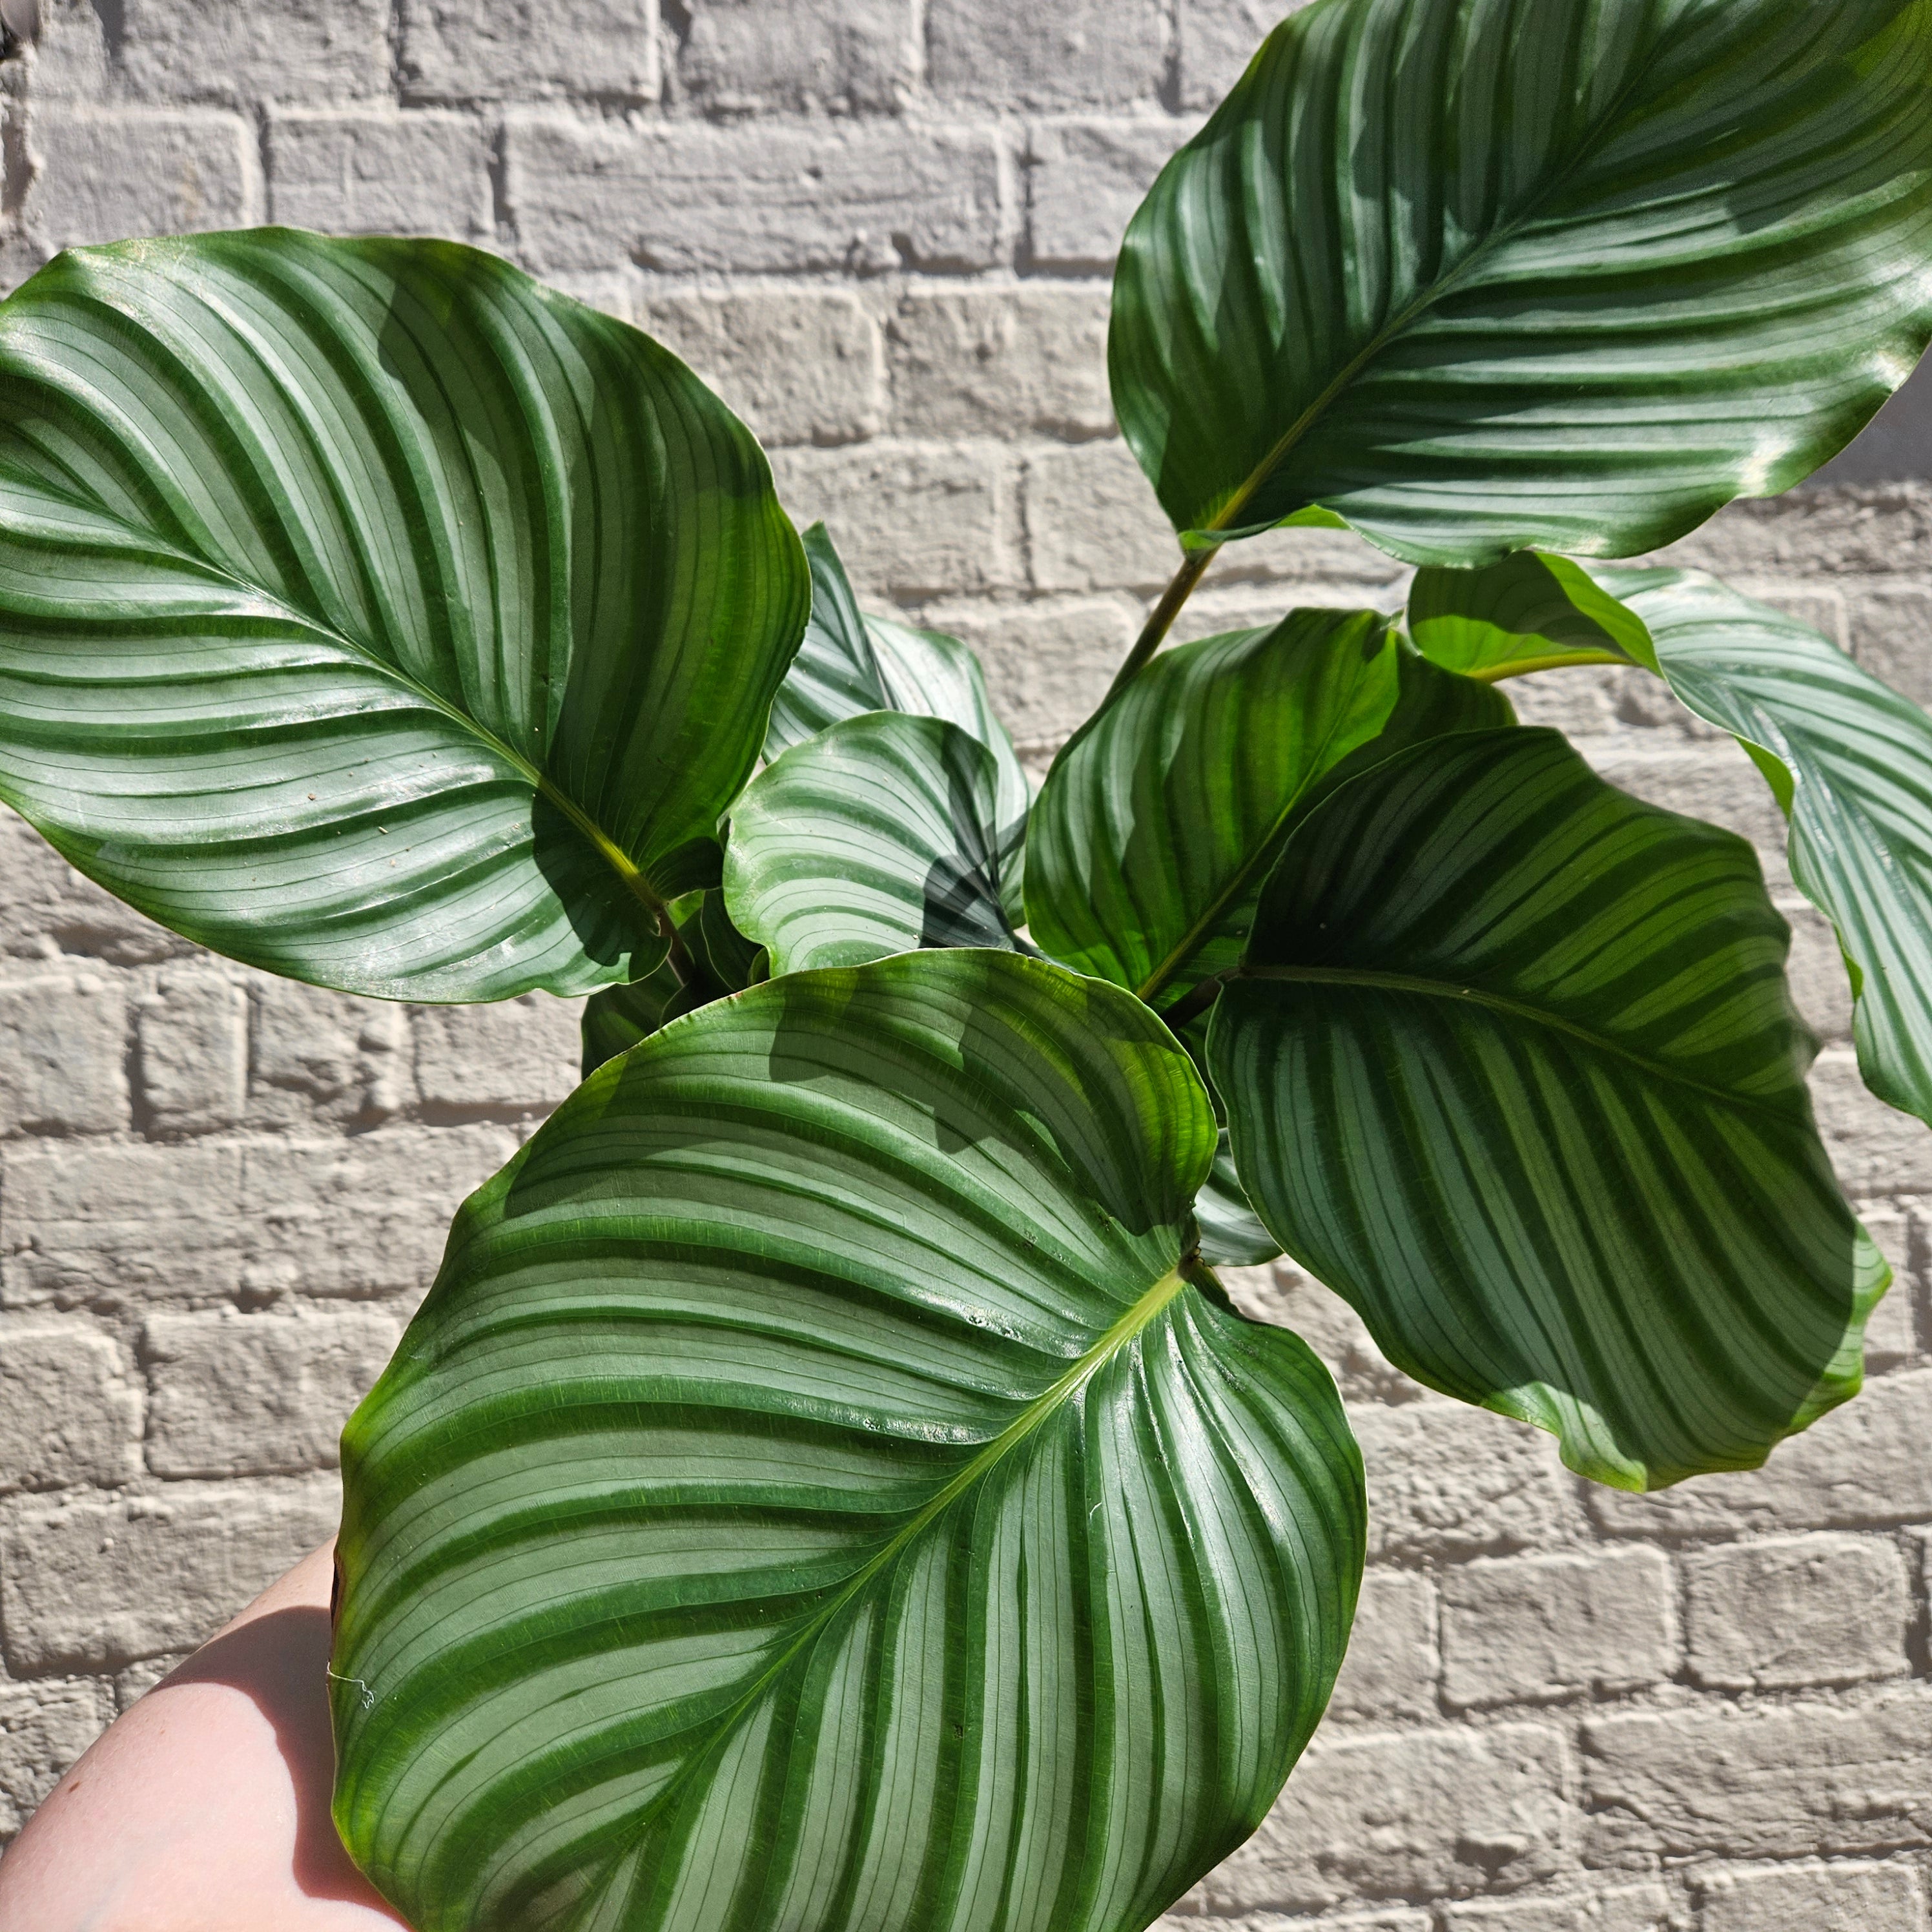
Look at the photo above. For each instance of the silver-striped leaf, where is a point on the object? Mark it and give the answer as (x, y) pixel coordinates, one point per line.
(879, 836)
(1850, 761)
(850, 664)
(1480, 274)
(1151, 839)
(371, 614)
(1512, 1065)
(821, 1490)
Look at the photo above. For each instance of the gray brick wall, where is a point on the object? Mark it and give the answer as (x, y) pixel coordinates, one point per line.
(883, 229)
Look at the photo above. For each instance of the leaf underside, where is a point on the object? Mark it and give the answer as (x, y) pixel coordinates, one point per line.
(373, 615)
(1482, 274)
(820, 1490)
(1512, 1065)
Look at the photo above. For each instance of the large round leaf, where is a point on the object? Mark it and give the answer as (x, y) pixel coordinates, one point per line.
(1512, 1065)
(879, 836)
(821, 1490)
(369, 613)
(1483, 273)
(1156, 827)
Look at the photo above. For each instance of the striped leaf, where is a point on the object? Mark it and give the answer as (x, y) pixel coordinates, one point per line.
(878, 836)
(821, 1491)
(1530, 612)
(1156, 826)
(370, 614)
(718, 960)
(1851, 763)
(850, 664)
(1480, 274)
(1512, 1065)
(1232, 1234)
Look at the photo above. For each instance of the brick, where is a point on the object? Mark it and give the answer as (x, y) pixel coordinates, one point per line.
(1878, 529)
(230, 52)
(1893, 445)
(1416, 1814)
(1891, 1332)
(1770, 1782)
(362, 1216)
(462, 50)
(1029, 360)
(1217, 40)
(103, 176)
(44, 1728)
(258, 1394)
(325, 1058)
(781, 198)
(910, 519)
(192, 1067)
(1781, 1614)
(800, 366)
(419, 173)
(1080, 53)
(1638, 1908)
(1801, 1898)
(1446, 1481)
(109, 1226)
(63, 1054)
(1874, 1150)
(68, 1412)
(1532, 1629)
(752, 56)
(1274, 1921)
(1093, 522)
(1049, 664)
(92, 1586)
(1863, 1465)
(1890, 627)
(1820, 986)
(1391, 1668)
(45, 905)
(520, 1056)
(1084, 180)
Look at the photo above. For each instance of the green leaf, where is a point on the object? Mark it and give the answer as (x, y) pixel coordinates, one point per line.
(1513, 1067)
(1232, 1234)
(836, 673)
(821, 1491)
(373, 615)
(1156, 826)
(1851, 763)
(1529, 613)
(719, 959)
(849, 664)
(880, 835)
(1480, 276)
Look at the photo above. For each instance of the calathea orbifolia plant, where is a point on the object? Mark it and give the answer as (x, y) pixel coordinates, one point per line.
(827, 1487)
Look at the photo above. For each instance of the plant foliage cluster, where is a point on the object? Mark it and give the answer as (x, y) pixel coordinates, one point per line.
(827, 1487)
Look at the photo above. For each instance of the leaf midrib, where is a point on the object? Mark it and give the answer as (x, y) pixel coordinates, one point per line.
(627, 870)
(1369, 980)
(1388, 333)
(1144, 1312)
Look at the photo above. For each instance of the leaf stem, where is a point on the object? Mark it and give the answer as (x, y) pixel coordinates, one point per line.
(682, 963)
(1191, 1005)
(1193, 567)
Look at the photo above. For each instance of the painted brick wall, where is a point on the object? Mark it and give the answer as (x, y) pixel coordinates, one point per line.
(883, 229)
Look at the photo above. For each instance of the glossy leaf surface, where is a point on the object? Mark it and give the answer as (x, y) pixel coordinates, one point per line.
(1529, 613)
(1481, 274)
(1851, 762)
(1512, 1065)
(719, 958)
(1156, 828)
(850, 664)
(880, 835)
(371, 614)
(821, 1491)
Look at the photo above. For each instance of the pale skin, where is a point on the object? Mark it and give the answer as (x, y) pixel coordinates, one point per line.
(206, 1807)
